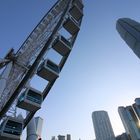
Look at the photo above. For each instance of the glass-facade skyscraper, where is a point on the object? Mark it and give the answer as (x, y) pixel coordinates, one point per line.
(129, 30)
(130, 122)
(102, 126)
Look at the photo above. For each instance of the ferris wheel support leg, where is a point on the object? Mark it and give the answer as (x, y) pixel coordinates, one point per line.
(4, 77)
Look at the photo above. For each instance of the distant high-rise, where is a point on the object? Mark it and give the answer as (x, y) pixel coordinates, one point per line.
(102, 126)
(53, 138)
(61, 137)
(34, 128)
(136, 107)
(130, 122)
(68, 137)
(129, 30)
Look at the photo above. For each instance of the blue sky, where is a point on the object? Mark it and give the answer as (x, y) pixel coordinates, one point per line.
(101, 72)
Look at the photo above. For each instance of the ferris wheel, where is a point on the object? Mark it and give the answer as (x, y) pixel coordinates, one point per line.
(56, 31)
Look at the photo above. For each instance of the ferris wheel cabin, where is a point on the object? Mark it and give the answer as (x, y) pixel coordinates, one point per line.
(76, 12)
(48, 70)
(30, 100)
(11, 129)
(61, 45)
(71, 25)
(78, 3)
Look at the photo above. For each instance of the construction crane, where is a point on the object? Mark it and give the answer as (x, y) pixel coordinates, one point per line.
(18, 68)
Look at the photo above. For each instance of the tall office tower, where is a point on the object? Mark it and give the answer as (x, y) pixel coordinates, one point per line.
(53, 138)
(68, 137)
(129, 30)
(34, 128)
(61, 137)
(130, 122)
(136, 107)
(102, 126)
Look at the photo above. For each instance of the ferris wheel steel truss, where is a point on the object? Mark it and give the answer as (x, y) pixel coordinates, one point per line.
(22, 65)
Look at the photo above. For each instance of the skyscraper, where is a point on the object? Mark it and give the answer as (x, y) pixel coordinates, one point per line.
(34, 128)
(129, 30)
(61, 137)
(130, 122)
(68, 137)
(102, 126)
(53, 138)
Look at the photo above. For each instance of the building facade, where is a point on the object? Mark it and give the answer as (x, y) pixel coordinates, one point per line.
(34, 128)
(130, 122)
(102, 126)
(61, 137)
(129, 30)
(68, 137)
